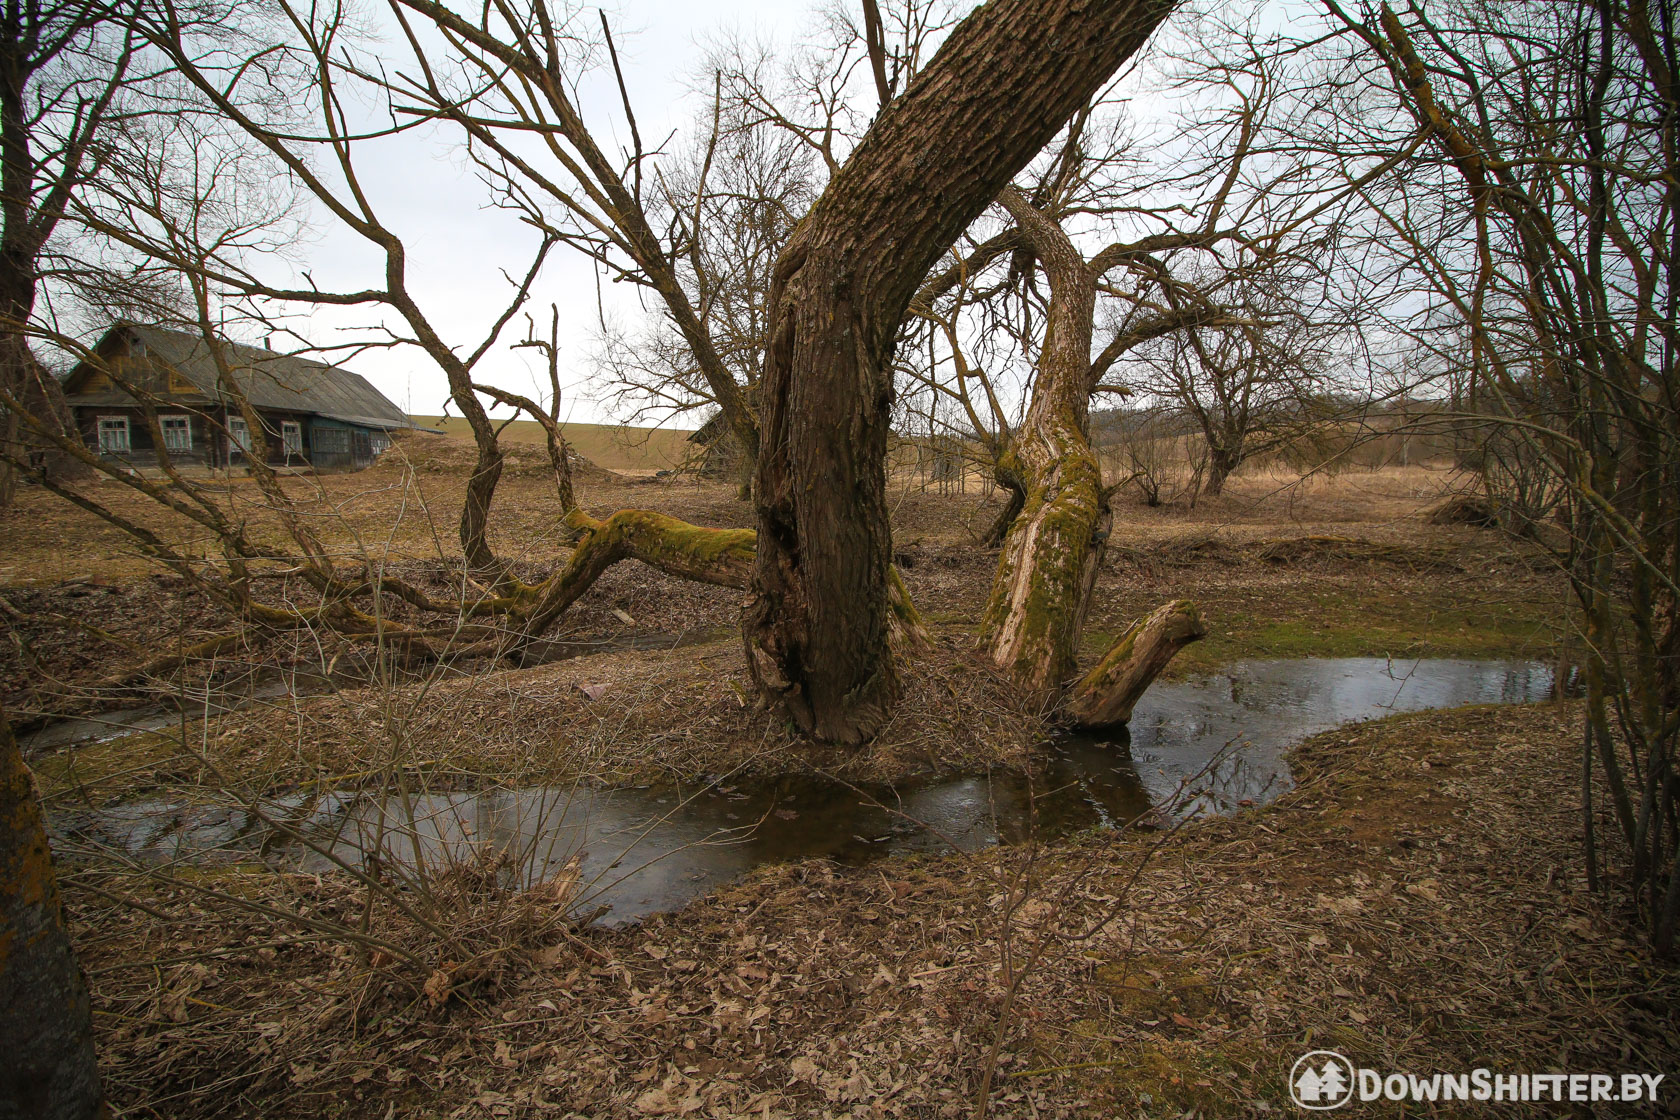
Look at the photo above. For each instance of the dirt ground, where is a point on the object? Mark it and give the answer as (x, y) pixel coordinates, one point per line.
(1280, 567)
(1417, 902)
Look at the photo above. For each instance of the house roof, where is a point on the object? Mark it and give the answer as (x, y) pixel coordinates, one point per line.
(268, 380)
(710, 431)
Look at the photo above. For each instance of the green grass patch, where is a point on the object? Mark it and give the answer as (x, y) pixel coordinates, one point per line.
(1355, 624)
(114, 768)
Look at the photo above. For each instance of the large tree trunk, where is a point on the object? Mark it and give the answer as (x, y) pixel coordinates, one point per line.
(816, 630)
(1048, 569)
(46, 1025)
(1221, 462)
(1050, 555)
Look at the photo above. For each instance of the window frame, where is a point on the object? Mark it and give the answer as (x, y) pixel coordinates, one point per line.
(127, 435)
(332, 440)
(238, 436)
(291, 438)
(186, 427)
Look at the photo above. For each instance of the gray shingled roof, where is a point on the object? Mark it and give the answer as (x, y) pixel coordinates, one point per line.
(270, 380)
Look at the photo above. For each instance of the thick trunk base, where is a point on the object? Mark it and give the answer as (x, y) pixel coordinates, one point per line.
(46, 1024)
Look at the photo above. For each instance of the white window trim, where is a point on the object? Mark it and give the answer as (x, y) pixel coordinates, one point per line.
(127, 435)
(291, 438)
(235, 426)
(176, 416)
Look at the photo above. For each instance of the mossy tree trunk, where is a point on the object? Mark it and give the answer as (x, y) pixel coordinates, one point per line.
(817, 629)
(1051, 553)
(46, 1024)
(1106, 695)
(722, 557)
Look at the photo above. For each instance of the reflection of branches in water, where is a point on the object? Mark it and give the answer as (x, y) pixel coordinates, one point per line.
(1232, 780)
(1401, 686)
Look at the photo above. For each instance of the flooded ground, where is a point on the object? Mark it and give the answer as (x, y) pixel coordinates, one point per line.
(1204, 745)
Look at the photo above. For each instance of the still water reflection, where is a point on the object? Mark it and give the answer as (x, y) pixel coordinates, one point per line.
(1208, 744)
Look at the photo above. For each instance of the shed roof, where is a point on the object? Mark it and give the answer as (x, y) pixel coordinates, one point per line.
(282, 382)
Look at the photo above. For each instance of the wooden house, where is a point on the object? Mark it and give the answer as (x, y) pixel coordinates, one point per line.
(312, 414)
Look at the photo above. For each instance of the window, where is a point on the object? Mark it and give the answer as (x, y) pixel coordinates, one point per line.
(332, 441)
(239, 436)
(113, 435)
(177, 433)
(291, 438)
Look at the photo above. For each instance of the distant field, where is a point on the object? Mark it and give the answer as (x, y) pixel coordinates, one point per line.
(606, 445)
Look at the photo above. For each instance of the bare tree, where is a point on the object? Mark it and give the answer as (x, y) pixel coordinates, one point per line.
(1255, 383)
(817, 634)
(825, 608)
(62, 67)
(933, 160)
(733, 196)
(46, 1023)
(1171, 288)
(1538, 214)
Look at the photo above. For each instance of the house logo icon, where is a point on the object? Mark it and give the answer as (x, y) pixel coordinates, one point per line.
(1321, 1080)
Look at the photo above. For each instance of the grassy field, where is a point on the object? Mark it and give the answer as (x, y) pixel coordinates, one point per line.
(1397, 903)
(618, 448)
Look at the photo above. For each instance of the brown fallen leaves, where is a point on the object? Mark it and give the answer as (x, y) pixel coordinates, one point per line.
(1412, 918)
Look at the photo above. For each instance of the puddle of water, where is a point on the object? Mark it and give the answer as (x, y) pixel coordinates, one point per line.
(643, 851)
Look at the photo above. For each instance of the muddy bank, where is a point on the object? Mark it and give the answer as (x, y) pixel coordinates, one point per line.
(1417, 901)
(1201, 747)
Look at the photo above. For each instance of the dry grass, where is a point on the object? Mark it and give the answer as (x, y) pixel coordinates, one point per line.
(1334, 567)
(625, 718)
(618, 448)
(406, 506)
(1417, 902)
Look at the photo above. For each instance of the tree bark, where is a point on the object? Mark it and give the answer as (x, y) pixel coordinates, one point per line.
(1221, 462)
(816, 630)
(46, 1023)
(1106, 695)
(722, 557)
(25, 378)
(1050, 555)
(28, 217)
(1014, 502)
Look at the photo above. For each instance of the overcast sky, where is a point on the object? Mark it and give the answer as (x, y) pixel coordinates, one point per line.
(462, 251)
(427, 192)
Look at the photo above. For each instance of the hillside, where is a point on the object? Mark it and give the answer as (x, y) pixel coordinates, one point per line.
(624, 449)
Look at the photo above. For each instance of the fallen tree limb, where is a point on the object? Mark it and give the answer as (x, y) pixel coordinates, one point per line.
(1106, 695)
